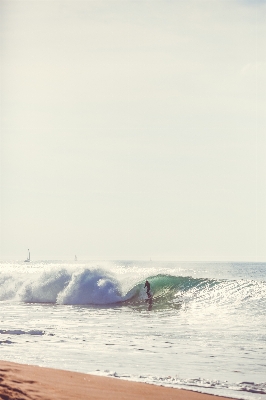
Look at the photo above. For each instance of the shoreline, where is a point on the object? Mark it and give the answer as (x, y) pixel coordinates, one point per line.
(29, 382)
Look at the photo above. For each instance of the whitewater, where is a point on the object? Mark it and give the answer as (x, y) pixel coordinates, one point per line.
(204, 328)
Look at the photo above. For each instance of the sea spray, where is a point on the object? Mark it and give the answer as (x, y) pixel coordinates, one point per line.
(90, 287)
(46, 287)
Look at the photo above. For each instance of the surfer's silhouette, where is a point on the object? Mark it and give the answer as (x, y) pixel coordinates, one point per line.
(149, 300)
(148, 286)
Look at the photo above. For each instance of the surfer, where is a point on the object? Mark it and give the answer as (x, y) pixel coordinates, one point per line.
(148, 286)
(149, 299)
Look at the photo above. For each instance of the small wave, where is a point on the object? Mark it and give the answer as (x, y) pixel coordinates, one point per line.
(33, 332)
(196, 384)
(252, 387)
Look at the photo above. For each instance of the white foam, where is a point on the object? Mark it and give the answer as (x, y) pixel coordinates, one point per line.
(62, 286)
(90, 287)
(44, 288)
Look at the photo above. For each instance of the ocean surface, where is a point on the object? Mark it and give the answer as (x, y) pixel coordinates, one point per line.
(203, 330)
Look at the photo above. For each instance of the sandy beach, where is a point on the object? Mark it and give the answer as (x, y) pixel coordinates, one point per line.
(21, 382)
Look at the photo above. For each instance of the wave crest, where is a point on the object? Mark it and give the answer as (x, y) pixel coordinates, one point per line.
(90, 287)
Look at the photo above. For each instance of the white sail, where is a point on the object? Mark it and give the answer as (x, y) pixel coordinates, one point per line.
(28, 259)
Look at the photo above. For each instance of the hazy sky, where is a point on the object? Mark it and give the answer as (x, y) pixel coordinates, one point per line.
(133, 129)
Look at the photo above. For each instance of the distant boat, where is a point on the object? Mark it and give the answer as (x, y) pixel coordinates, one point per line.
(76, 258)
(28, 259)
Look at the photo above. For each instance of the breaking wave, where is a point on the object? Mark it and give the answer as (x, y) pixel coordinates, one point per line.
(96, 286)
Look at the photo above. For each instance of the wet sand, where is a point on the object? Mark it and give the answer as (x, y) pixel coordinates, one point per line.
(21, 382)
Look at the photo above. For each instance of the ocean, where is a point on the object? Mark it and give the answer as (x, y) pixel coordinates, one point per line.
(204, 328)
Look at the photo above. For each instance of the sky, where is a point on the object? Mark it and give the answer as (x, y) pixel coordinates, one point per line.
(133, 130)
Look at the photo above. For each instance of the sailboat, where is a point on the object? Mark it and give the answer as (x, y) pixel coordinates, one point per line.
(28, 259)
(76, 258)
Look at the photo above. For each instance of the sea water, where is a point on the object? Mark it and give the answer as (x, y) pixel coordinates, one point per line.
(204, 328)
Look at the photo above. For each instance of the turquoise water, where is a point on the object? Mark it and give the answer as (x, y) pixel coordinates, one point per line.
(205, 328)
